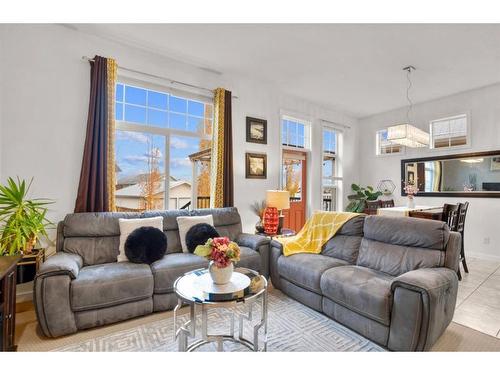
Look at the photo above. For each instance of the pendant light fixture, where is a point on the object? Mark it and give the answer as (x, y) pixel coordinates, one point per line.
(407, 134)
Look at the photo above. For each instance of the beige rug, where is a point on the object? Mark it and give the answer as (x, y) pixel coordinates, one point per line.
(292, 327)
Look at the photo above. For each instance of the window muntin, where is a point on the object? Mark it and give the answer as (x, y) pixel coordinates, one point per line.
(384, 146)
(294, 132)
(139, 105)
(449, 132)
(162, 150)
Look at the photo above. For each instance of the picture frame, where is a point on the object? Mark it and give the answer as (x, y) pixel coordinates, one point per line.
(256, 130)
(255, 165)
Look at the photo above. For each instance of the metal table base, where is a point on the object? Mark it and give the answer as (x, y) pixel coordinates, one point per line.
(188, 329)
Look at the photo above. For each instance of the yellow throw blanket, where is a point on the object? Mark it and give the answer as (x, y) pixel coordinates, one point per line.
(322, 226)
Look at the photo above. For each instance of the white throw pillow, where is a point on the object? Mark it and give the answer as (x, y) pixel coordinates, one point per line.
(186, 222)
(127, 226)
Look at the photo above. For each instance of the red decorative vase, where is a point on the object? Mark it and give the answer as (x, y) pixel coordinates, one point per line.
(271, 220)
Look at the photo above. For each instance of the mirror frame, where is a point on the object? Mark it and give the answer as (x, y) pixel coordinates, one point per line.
(482, 194)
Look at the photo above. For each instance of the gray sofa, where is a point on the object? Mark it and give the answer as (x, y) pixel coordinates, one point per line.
(82, 285)
(393, 280)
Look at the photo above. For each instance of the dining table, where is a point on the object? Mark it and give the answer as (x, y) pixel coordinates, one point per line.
(420, 211)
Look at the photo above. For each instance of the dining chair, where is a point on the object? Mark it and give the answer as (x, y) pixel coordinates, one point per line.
(372, 207)
(387, 203)
(460, 228)
(450, 215)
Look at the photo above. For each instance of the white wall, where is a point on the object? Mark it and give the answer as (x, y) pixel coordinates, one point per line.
(46, 101)
(484, 108)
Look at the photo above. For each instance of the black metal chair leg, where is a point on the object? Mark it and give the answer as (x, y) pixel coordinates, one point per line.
(459, 274)
(464, 263)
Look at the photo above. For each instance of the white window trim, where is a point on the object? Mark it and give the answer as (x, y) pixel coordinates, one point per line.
(339, 201)
(468, 132)
(307, 131)
(377, 146)
(156, 130)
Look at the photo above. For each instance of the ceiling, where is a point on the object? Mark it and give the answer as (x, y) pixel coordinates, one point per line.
(355, 68)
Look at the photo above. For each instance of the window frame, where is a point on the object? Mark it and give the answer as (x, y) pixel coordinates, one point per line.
(307, 132)
(168, 133)
(378, 149)
(338, 173)
(467, 144)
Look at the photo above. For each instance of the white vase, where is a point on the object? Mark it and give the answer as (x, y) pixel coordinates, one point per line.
(411, 202)
(220, 276)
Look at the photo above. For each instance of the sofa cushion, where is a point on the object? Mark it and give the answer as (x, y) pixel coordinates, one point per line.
(406, 231)
(365, 291)
(345, 244)
(172, 266)
(305, 270)
(395, 259)
(110, 284)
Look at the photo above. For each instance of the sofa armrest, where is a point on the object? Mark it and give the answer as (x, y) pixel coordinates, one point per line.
(423, 306)
(253, 241)
(259, 244)
(61, 264)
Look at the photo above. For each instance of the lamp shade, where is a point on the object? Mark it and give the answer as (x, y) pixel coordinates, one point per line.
(278, 198)
(407, 135)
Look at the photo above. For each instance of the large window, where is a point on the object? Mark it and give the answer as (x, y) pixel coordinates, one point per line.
(449, 132)
(294, 132)
(331, 178)
(162, 149)
(384, 146)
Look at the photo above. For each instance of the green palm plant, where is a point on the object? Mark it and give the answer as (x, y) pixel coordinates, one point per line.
(22, 220)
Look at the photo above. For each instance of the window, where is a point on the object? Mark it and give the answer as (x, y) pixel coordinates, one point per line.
(162, 149)
(294, 132)
(449, 132)
(331, 179)
(384, 146)
(141, 106)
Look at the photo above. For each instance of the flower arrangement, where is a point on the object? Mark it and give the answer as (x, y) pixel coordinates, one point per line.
(219, 250)
(410, 188)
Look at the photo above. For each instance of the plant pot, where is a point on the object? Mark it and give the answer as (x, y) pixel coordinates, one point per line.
(259, 227)
(220, 276)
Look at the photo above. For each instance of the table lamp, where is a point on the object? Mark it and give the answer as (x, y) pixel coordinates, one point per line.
(281, 200)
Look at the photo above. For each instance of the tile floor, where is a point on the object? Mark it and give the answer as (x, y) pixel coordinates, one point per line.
(478, 300)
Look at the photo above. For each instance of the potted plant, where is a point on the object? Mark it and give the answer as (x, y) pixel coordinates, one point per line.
(221, 253)
(22, 220)
(411, 189)
(258, 209)
(357, 201)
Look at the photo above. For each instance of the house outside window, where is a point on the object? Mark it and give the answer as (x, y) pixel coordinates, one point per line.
(162, 142)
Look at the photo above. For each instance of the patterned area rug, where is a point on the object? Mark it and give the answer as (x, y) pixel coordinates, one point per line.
(291, 327)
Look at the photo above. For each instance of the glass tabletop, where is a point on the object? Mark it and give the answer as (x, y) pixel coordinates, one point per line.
(189, 287)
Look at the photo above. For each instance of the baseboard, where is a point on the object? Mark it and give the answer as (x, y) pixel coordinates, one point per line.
(483, 256)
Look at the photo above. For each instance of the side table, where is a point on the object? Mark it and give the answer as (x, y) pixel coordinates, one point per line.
(188, 292)
(8, 274)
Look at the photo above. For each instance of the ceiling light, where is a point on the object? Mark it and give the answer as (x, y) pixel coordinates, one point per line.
(472, 161)
(407, 134)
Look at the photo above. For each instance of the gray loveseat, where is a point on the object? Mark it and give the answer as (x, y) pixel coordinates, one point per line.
(82, 285)
(393, 280)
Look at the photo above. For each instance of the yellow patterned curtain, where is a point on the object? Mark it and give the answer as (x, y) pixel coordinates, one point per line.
(111, 173)
(221, 182)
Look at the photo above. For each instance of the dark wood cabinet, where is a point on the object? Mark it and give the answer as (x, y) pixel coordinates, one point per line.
(8, 273)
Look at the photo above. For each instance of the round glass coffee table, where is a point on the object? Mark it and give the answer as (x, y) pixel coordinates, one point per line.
(247, 288)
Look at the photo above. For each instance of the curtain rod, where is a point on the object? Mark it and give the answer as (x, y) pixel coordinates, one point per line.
(335, 123)
(172, 81)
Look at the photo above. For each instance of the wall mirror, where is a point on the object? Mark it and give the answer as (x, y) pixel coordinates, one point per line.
(461, 175)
